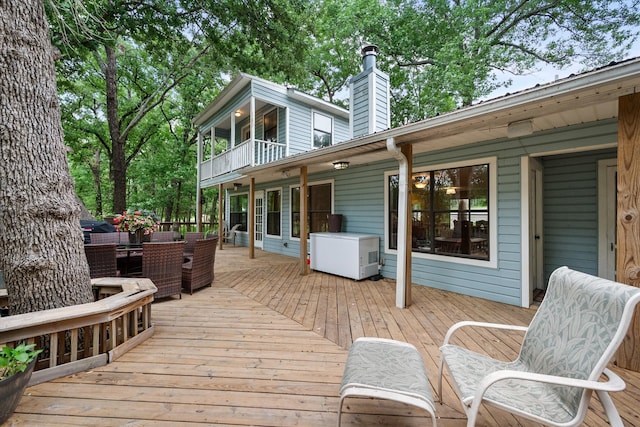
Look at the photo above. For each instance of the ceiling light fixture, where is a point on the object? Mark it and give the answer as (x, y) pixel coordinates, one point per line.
(518, 129)
(238, 113)
(340, 165)
(451, 190)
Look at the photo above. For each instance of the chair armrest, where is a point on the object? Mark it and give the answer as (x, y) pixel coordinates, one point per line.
(466, 323)
(613, 383)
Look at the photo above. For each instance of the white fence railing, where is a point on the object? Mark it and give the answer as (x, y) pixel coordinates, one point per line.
(242, 155)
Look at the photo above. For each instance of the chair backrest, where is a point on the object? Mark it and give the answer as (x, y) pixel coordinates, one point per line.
(162, 263)
(578, 328)
(101, 258)
(106, 237)
(201, 273)
(191, 237)
(162, 236)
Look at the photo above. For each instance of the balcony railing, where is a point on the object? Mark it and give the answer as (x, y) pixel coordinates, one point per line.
(248, 153)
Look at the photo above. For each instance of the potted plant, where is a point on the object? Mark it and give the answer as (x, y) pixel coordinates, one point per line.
(16, 367)
(140, 224)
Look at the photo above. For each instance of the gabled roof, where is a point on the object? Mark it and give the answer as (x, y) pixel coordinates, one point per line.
(242, 80)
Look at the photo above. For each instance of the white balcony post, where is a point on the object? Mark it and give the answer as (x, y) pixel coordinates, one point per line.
(232, 143)
(252, 128)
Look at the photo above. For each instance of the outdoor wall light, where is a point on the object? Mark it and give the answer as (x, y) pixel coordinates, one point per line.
(340, 165)
(518, 129)
(236, 186)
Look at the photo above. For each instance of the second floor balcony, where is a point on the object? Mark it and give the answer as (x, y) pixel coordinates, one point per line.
(251, 152)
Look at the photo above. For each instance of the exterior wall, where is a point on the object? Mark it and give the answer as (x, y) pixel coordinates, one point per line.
(358, 195)
(571, 211)
(360, 107)
(226, 111)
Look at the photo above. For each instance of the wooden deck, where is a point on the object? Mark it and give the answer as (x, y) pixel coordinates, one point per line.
(266, 347)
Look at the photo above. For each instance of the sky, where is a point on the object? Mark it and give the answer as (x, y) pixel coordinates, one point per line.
(547, 75)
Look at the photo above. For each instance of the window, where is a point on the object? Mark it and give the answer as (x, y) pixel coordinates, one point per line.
(271, 126)
(319, 203)
(274, 206)
(322, 130)
(238, 208)
(449, 210)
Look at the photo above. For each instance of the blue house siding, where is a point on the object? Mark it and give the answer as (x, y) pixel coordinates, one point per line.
(571, 211)
(228, 109)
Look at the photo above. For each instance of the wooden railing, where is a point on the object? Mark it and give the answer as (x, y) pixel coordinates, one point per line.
(84, 336)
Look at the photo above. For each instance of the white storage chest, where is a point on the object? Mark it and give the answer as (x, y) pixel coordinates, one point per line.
(350, 255)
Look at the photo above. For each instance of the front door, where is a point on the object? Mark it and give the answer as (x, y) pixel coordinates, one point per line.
(259, 219)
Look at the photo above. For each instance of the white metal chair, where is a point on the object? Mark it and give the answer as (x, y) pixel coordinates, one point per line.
(230, 235)
(386, 369)
(566, 348)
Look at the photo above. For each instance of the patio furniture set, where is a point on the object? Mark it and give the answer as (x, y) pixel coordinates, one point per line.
(172, 265)
(562, 360)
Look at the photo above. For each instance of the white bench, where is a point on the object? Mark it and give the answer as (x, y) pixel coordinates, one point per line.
(386, 369)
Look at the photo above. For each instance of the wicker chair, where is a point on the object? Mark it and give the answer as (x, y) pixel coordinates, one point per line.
(101, 258)
(198, 272)
(109, 237)
(191, 238)
(162, 263)
(162, 236)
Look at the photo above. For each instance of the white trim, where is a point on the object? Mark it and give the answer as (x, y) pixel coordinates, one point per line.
(603, 239)
(231, 194)
(287, 130)
(310, 184)
(524, 232)
(266, 199)
(313, 127)
(269, 111)
(351, 110)
(493, 214)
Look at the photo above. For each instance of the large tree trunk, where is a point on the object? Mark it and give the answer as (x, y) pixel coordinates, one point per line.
(41, 244)
(118, 157)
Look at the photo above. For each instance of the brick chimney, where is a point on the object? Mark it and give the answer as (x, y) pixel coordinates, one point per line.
(369, 92)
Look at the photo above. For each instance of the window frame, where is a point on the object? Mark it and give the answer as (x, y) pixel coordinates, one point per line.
(266, 198)
(277, 121)
(246, 214)
(331, 133)
(492, 262)
(310, 184)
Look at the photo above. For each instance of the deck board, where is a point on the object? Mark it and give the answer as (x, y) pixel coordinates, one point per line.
(266, 346)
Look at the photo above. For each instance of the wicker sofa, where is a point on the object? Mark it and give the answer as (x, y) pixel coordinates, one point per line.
(198, 272)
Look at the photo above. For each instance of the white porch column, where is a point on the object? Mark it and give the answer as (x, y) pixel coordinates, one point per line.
(252, 130)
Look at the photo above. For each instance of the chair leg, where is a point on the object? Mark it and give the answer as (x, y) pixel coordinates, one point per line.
(340, 410)
(610, 409)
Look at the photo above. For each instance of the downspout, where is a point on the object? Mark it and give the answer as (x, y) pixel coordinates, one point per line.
(401, 264)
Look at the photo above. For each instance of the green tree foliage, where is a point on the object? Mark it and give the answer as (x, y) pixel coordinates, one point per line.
(442, 54)
(124, 62)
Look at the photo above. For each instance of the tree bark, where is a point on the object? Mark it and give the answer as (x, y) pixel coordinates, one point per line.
(41, 243)
(118, 157)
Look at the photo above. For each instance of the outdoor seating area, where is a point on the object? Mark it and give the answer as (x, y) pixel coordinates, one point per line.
(265, 345)
(172, 264)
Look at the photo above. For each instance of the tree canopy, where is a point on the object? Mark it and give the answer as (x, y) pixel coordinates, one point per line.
(133, 74)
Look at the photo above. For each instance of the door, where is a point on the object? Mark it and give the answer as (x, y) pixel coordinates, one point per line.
(258, 231)
(607, 211)
(536, 257)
